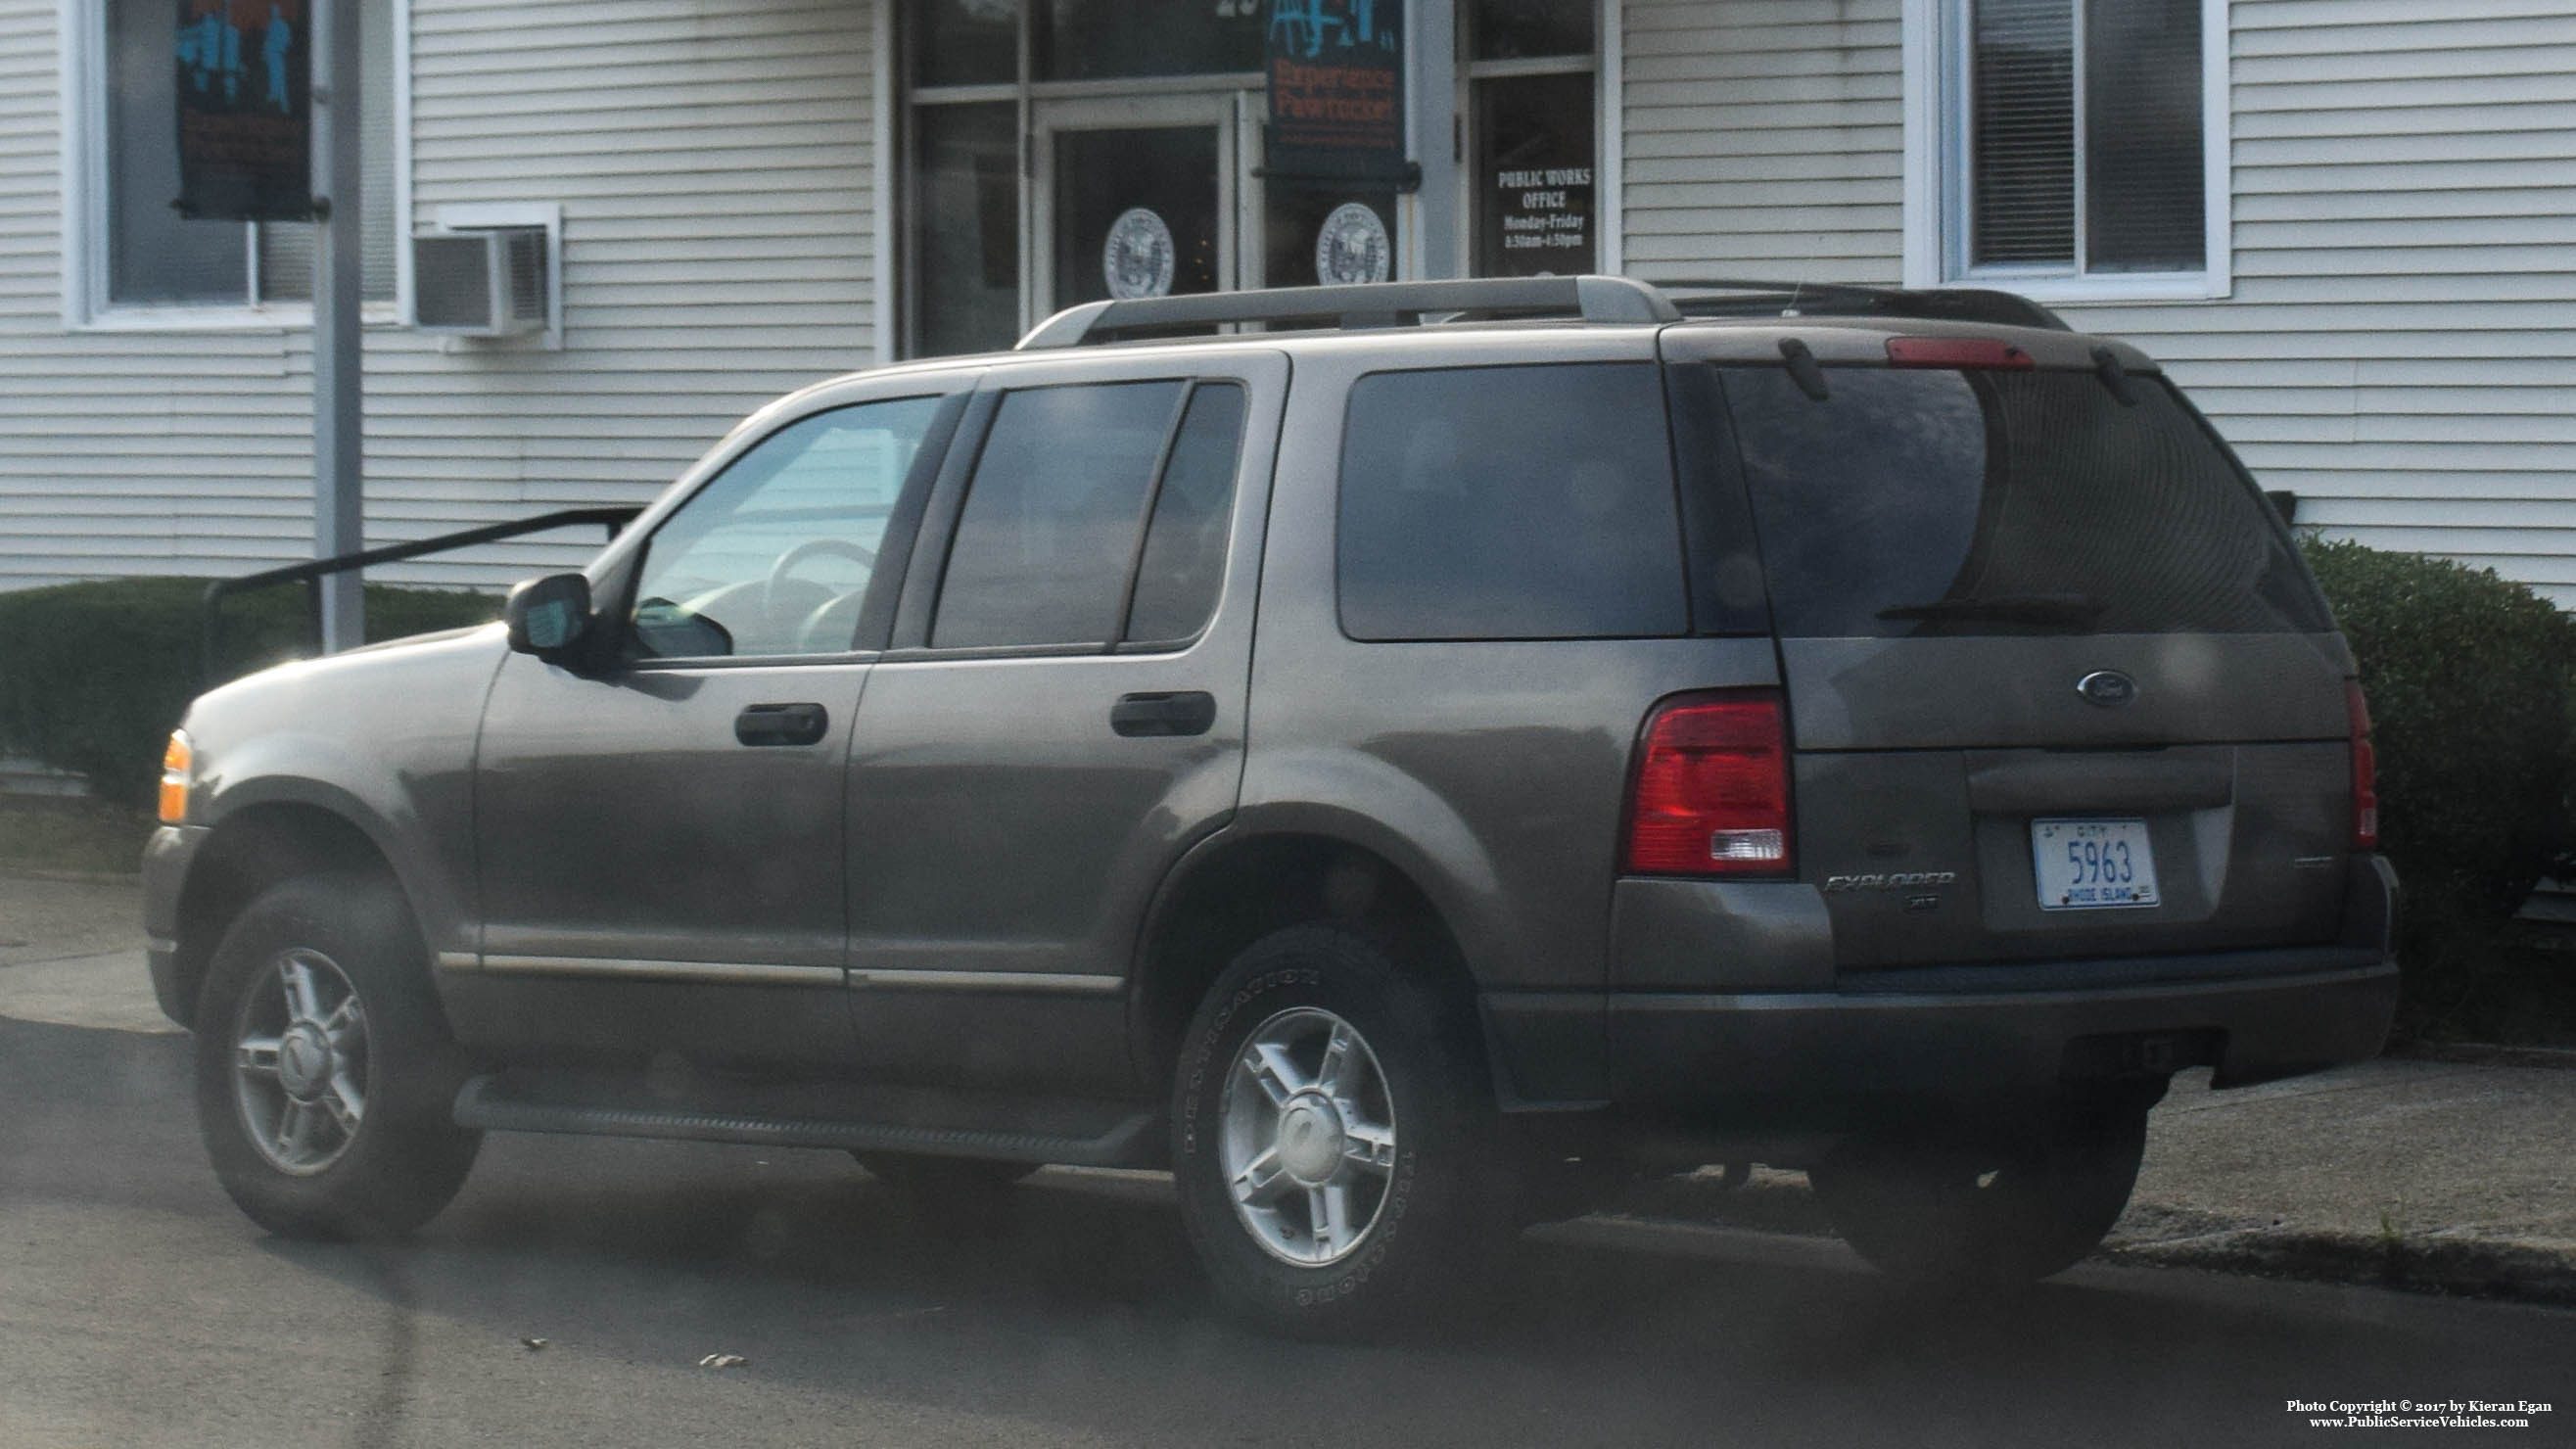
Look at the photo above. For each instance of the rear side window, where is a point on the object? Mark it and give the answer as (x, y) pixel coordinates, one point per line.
(1184, 562)
(1052, 516)
(1942, 502)
(1509, 503)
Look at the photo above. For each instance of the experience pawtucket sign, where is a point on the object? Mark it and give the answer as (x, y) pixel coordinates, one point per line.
(245, 110)
(1336, 76)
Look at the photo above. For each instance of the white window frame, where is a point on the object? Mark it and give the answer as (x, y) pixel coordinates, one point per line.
(1936, 227)
(82, 24)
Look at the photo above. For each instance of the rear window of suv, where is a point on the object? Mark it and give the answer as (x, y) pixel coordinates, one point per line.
(1989, 502)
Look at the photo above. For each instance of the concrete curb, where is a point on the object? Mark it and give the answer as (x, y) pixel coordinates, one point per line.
(2478, 1054)
(2455, 1262)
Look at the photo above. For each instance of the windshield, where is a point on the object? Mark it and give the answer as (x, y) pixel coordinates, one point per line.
(1954, 502)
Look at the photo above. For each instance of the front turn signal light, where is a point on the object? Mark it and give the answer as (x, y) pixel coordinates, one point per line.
(178, 772)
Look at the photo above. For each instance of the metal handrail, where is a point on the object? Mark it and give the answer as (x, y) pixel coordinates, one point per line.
(1373, 304)
(312, 573)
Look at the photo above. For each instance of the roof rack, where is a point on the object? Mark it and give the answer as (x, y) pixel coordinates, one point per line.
(1754, 298)
(1381, 304)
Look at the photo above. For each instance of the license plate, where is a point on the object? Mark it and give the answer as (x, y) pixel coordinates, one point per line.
(2086, 865)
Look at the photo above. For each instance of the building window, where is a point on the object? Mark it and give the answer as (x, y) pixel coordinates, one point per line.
(142, 257)
(2079, 137)
(1532, 76)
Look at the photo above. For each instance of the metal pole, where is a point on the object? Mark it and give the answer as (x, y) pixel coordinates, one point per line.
(339, 515)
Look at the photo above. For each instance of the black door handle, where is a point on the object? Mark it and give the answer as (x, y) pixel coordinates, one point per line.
(781, 724)
(1174, 712)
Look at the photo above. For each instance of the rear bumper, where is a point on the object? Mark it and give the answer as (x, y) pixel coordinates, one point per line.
(1842, 1057)
(1883, 1044)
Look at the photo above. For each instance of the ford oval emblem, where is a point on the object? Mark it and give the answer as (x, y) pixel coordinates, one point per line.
(2107, 688)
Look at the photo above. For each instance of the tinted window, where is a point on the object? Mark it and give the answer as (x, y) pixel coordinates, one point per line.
(2003, 502)
(1184, 562)
(1051, 518)
(1509, 503)
(774, 556)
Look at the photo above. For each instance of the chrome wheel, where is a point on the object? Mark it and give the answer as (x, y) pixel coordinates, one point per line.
(300, 1063)
(1306, 1137)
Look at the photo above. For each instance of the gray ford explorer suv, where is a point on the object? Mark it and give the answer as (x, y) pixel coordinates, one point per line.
(1401, 764)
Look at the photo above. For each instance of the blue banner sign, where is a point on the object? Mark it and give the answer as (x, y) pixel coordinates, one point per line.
(1335, 70)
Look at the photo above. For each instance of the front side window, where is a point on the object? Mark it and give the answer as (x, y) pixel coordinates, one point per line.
(2077, 146)
(145, 254)
(774, 557)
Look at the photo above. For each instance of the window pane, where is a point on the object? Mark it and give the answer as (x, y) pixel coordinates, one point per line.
(2144, 191)
(2022, 133)
(1091, 39)
(966, 42)
(1139, 206)
(1509, 503)
(1513, 29)
(154, 256)
(1049, 529)
(1908, 488)
(1184, 563)
(774, 556)
(1534, 176)
(967, 242)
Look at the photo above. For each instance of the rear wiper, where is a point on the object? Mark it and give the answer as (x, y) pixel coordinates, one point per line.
(2077, 609)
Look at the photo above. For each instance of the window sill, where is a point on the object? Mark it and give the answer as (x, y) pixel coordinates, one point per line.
(2135, 287)
(292, 317)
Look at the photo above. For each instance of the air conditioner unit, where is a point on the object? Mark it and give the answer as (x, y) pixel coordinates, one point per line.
(483, 282)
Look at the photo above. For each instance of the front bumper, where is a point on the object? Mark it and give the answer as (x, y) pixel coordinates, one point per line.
(165, 874)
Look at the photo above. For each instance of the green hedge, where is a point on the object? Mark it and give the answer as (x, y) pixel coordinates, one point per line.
(93, 676)
(2468, 679)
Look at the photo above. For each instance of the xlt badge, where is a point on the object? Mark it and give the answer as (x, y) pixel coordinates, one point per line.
(1892, 881)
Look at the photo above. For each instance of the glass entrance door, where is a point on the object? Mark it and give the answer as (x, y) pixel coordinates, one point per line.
(1135, 196)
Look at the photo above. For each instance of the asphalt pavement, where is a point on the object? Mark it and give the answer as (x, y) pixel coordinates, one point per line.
(572, 1291)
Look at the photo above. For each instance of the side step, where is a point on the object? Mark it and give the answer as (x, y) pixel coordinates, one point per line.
(815, 1114)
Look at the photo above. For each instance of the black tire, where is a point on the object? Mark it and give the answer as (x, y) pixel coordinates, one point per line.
(1437, 1202)
(944, 1179)
(404, 1157)
(1942, 1215)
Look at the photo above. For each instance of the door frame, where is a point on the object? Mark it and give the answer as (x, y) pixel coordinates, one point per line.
(1239, 192)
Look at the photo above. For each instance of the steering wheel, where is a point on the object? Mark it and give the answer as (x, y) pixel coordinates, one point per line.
(773, 589)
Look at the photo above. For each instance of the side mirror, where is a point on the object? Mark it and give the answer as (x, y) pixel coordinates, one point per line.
(548, 616)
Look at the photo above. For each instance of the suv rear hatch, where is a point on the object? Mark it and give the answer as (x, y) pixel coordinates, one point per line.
(2058, 684)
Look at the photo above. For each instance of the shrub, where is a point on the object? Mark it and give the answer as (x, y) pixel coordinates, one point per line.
(2468, 679)
(93, 676)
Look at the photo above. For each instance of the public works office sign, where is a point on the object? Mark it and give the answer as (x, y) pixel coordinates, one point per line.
(1336, 75)
(245, 110)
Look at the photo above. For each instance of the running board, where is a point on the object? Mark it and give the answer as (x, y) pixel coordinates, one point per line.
(860, 1118)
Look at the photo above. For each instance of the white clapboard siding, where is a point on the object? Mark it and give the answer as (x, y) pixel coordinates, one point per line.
(1762, 138)
(2400, 344)
(713, 160)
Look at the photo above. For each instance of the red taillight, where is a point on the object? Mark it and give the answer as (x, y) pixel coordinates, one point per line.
(1982, 352)
(2365, 770)
(1711, 793)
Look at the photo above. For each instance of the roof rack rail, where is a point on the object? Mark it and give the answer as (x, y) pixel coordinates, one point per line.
(1762, 298)
(1376, 304)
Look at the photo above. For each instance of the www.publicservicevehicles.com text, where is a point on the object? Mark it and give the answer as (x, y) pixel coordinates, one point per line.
(2414, 1414)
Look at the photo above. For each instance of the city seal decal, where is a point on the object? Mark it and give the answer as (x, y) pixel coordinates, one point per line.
(1137, 260)
(1352, 247)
